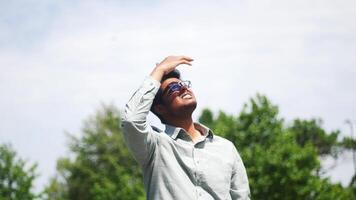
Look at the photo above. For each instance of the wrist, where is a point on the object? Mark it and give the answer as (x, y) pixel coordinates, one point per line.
(157, 73)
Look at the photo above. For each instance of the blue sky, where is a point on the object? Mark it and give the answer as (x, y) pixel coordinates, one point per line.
(60, 60)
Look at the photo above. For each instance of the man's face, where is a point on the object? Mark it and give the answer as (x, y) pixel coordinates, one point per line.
(177, 99)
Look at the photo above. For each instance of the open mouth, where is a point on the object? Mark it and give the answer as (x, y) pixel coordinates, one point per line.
(186, 95)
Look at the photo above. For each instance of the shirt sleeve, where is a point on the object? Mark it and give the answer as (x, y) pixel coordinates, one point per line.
(239, 188)
(138, 134)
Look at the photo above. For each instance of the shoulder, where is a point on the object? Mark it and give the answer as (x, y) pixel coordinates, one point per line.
(223, 141)
(226, 144)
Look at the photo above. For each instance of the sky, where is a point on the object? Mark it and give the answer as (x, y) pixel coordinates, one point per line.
(61, 60)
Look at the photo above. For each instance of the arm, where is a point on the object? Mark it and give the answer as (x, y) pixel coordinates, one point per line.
(239, 188)
(138, 134)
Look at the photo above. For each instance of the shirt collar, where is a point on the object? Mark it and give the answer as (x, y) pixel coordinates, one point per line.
(173, 131)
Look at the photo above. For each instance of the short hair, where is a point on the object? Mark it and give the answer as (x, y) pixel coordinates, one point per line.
(158, 98)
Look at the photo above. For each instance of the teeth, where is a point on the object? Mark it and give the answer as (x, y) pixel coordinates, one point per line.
(187, 96)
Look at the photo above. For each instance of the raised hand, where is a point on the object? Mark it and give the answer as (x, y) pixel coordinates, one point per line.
(168, 65)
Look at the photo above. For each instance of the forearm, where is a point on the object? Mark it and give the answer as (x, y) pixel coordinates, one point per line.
(138, 134)
(140, 103)
(157, 73)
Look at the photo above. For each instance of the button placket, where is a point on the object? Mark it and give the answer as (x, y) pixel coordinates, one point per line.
(196, 175)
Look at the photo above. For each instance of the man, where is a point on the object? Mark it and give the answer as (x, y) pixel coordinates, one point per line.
(187, 160)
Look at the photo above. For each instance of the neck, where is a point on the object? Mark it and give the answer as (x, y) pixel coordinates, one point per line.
(188, 125)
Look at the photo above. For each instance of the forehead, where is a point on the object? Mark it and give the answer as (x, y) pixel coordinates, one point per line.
(168, 81)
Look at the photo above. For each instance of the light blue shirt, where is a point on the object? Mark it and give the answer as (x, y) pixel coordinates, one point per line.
(176, 168)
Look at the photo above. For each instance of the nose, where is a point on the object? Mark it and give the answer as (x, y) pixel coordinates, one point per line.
(183, 89)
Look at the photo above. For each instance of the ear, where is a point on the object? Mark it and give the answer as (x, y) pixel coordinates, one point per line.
(160, 109)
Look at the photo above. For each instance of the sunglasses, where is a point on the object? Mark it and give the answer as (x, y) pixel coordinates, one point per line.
(176, 86)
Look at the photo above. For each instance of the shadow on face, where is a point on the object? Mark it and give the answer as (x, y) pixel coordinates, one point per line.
(178, 101)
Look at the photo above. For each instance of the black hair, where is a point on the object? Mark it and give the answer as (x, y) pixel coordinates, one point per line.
(158, 98)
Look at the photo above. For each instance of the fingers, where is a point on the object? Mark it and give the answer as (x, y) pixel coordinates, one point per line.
(173, 61)
(186, 58)
(185, 62)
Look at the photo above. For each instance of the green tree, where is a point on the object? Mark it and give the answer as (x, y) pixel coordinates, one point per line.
(307, 131)
(348, 143)
(16, 176)
(100, 167)
(282, 162)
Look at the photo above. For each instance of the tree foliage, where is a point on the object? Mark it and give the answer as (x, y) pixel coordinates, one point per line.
(16, 177)
(282, 160)
(101, 166)
(306, 131)
(348, 143)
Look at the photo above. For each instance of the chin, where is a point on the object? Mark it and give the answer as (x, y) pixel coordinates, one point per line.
(184, 110)
(190, 107)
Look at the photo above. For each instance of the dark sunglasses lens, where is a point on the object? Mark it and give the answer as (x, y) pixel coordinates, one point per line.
(174, 87)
